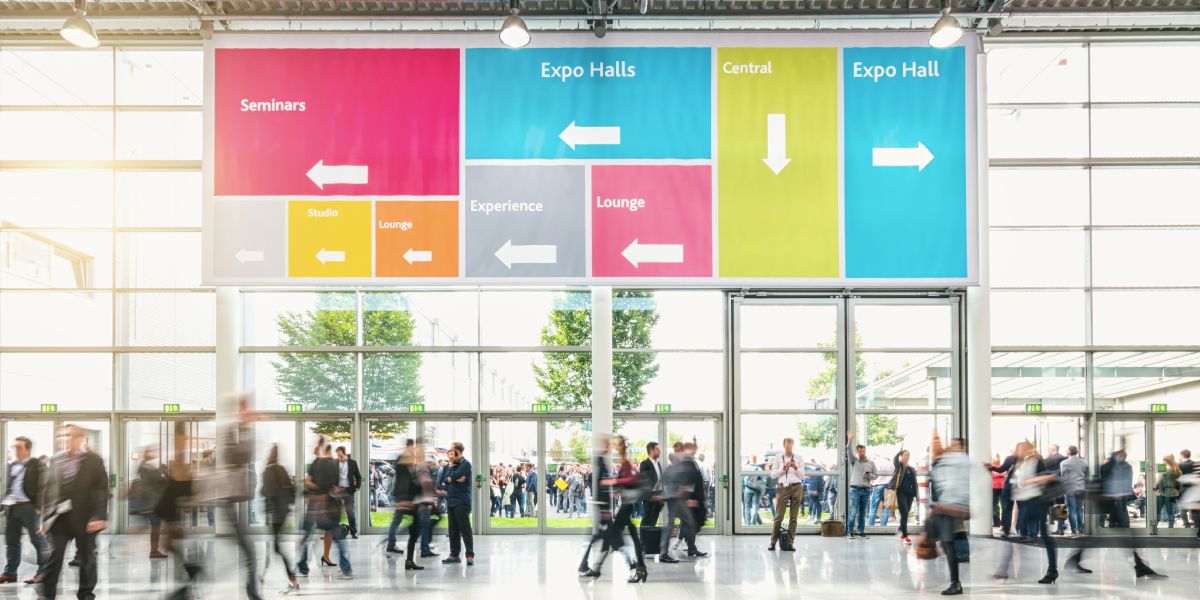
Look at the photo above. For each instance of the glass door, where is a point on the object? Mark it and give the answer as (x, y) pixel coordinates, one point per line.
(1132, 438)
(1173, 442)
(512, 452)
(703, 432)
(387, 440)
(281, 436)
(567, 453)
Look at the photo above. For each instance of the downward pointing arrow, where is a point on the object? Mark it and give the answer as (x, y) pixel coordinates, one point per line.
(777, 143)
(323, 174)
(574, 135)
(527, 255)
(637, 253)
(244, 256)
(902, 157)
(413, 256)
(328, 256)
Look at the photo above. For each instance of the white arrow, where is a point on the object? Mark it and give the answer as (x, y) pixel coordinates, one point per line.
(777, 143)
(244, 256)
(527, 255)
(652, 253)
(323, 174)
(590, 136)
(413, 256)
(328, 256)
(902, 157)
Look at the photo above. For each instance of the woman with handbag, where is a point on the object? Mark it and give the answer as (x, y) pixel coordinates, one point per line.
(1168, 489)
(279, 493)
(951, 474)
(902, 491)
(1034, 489)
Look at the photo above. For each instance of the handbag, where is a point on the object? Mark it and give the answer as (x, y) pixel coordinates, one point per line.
(889, 499)
(1058, 512)
(926, 547)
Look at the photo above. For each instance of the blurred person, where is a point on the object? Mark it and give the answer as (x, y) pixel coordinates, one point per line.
(236, 485)
(602, 501)
(22, 508)
(349, 482)
(144, 496)
(652, 479)
(881, 483)
(627, 487)
(753, 487)
(278, 492)
(862, 473)
(1032, 486)
(690, 491)
(950, 480)
(179, 490)
(454, 482)
(788, 470)
(997, 490)
(1006, 501)
(1186, 468)
(431, 512)
(410, 446)
(74, 508)
(1167, 490)
(1113, 492)
(321, 508)
(413, 489)
(814, 490)
(904, 484)
(1053, 460)
(1073, 473)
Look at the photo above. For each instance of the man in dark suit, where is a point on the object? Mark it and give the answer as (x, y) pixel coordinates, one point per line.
(650, 472)
(1053, 462)
(74, 507)
(349, 480)
(22, 502)
(689, 496)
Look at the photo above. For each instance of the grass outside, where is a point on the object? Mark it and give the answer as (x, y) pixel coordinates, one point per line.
(384, 519)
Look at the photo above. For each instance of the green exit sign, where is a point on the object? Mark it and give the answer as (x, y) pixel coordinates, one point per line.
(541, 407)
(1158, 408)
(170, 408)
(416, 408)
(1033, 408)
(49, 408)
(295, 407)
(662, 408)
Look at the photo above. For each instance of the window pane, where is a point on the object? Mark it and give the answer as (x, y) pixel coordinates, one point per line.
(668, 320)
(439, 380)
(685, 380)
(885, 435)
(34, 135)
(1038, 196)
(1053, 379)
(535, 318)
(1037, 258)
(788, 381)
(56, 77)
(55, 259)
(166, 319)
(55, 319)
(159, 135)
(1141, 196)
(816, 438)
(147, 381)
(787, 325)
(1159, 73)
(29, 380)
(1037, 133)
(160, 76)
(517, 380)
(1146, 257)
(420, 318)
(158, 199)
(1022, 318)
(299, 319)
(1145, 131)
(903, 380)
(1038, 74)
(56, 198)
(158, 260)
(1146, 317)
(903, 326)
(1135, 380)
(316, 380)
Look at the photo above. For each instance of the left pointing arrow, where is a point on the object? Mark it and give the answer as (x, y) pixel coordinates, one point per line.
(328, 256)
(249, 256)
(637, 253)
(323, 174)
(575, 135)
(416, 256)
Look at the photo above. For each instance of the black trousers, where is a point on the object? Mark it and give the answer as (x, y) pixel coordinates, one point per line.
(904, 503)
(653, 508)
(460, 530)
(85, 545)
(1006, 516)
(277, 541)
(944, 528)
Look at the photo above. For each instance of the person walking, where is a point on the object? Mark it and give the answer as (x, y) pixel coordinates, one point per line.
(1054, 460)
(1031, 484)
(626, 486)
(22, 505)
(651, 474)
(413, 488)
(787, 470)
(235, 485)
(323, 511)
(279, 493)
(950, 474)
(454, 482)
(997, 490)
(690, 491)
(74, 508)
(144, 496)
(1006, 501)
(1073, 473)
(1112, 497)
(881, 483)
(904, 485)
(180, 489)
(862, 472)
(1168, 490)
(349, 482)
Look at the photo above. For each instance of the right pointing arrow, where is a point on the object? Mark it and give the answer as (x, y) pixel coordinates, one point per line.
(637, 253)
(777, 143)
(902, 157)
(328, 256)
(527, 255)
(413, 256)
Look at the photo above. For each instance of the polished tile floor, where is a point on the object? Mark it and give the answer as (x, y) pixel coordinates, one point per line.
(534, 568)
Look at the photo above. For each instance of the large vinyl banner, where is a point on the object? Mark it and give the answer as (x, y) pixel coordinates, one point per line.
(765, 160)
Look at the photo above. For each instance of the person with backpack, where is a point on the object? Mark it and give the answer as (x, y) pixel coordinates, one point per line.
(279, 493)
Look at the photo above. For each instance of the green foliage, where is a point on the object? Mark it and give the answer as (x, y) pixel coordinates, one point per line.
(566, 378)
(881, 429)
(581, 447)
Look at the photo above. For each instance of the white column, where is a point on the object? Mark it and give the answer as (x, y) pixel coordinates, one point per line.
(602, 359)
(228, 368)
(979, 339)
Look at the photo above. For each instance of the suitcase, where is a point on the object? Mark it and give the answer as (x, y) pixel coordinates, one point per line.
(651, 539)
(833, 528)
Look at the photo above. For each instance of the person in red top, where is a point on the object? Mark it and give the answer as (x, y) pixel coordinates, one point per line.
(626, 484)
(997, 491)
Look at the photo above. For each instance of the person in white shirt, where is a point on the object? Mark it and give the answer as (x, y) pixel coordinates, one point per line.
(788, 470)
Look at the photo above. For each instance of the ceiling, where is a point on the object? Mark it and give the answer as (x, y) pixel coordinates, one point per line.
(186, 18)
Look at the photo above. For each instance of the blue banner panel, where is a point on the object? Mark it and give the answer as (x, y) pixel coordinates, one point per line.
(585, 103)
(905, 162)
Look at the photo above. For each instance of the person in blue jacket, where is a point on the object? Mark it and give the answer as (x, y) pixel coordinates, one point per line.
(454, 482)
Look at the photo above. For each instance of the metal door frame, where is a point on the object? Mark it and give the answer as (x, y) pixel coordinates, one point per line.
(119, 467)
(1150, 470)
